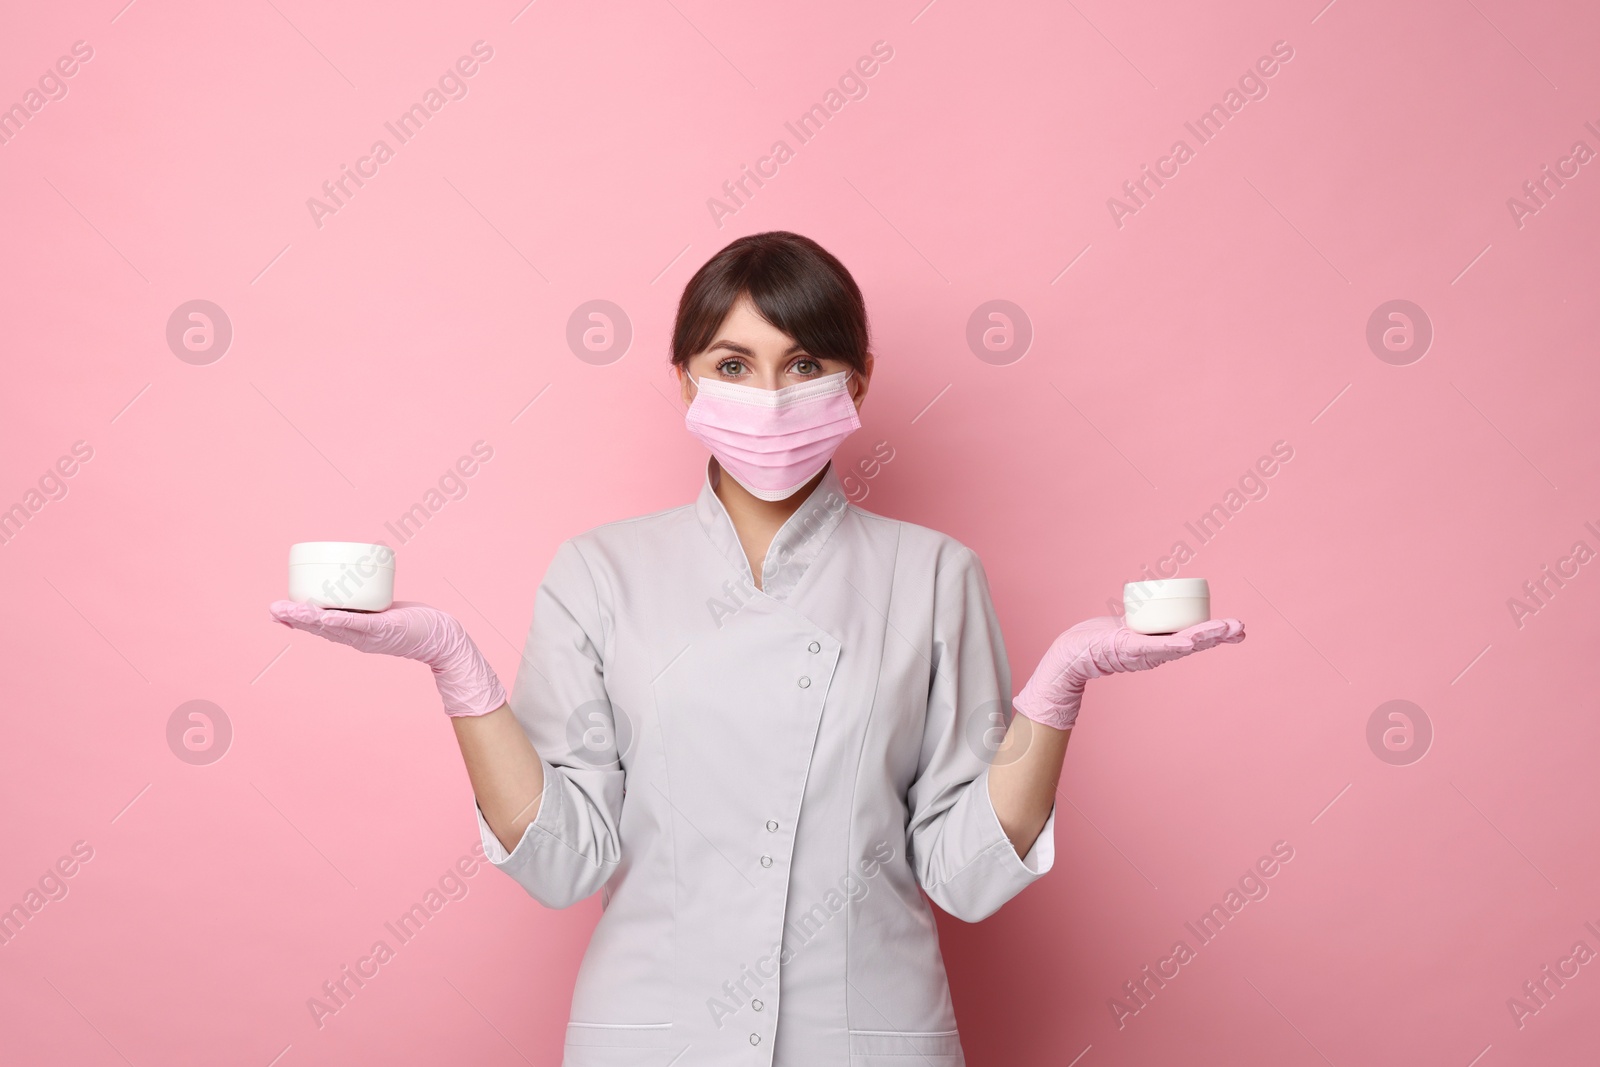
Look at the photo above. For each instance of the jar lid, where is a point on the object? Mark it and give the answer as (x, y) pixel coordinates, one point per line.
(341, 552)
(1166, 589)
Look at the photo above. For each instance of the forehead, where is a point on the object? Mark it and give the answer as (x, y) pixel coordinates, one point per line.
(745, 332)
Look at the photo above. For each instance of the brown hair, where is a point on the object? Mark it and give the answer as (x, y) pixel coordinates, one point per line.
(795, 283)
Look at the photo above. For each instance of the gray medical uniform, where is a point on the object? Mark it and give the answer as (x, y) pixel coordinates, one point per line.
(759, 781)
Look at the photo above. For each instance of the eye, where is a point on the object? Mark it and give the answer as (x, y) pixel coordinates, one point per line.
(722, 367)
(804, 361)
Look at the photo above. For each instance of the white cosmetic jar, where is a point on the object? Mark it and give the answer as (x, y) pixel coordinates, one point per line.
(342, 574)
(1165, 606)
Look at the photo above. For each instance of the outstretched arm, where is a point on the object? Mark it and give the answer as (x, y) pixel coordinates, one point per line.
(507, 774)
(1027, 767)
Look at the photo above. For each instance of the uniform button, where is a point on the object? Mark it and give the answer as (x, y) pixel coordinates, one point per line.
(771, 825)
(805, 683)
(766, 861)
(755, 1039)
(814, 647)
(757, 1005)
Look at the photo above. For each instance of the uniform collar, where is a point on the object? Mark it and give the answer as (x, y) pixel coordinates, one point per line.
(796, 544)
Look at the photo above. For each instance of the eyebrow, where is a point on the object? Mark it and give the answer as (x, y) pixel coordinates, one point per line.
(744, 350)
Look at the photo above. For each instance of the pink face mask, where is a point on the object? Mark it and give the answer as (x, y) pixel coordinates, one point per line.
(773, 441)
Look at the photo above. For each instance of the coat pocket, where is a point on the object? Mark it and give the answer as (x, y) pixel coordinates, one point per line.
(617, 1045)
(900, 1048)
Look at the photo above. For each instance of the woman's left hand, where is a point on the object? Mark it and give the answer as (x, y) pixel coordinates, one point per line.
(1102, 646)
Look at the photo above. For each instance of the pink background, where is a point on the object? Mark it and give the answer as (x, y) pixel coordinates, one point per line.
(1168, 354)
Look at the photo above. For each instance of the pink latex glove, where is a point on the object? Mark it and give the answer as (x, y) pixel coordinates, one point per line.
(415, 631)
(1103, 646)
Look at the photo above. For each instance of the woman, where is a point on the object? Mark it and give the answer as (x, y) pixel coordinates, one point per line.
(758, 723)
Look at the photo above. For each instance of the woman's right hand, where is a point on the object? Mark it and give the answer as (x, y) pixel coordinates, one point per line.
(466, 682)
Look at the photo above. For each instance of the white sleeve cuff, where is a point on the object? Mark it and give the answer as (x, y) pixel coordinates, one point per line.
(492, 848)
